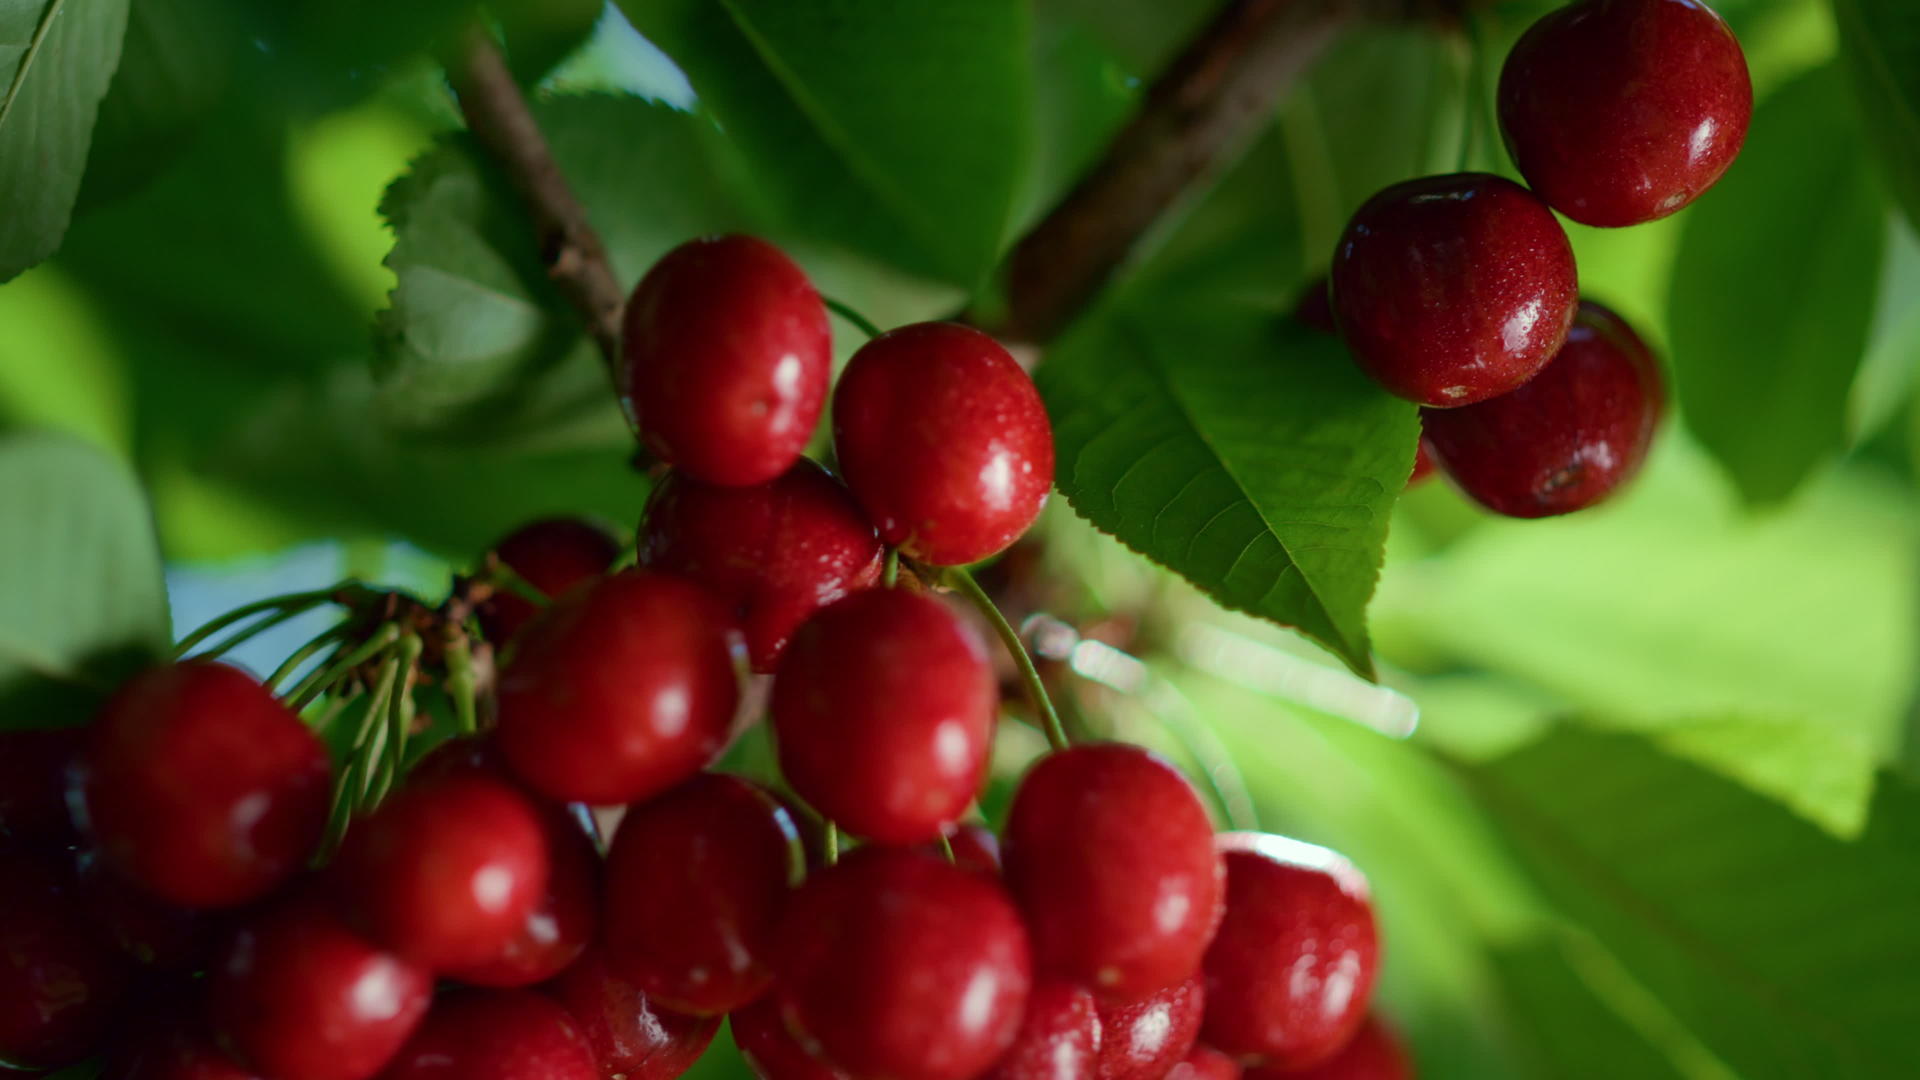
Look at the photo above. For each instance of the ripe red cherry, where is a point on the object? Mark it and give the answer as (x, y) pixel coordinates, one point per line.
(896, 964)
(883, 711)
(727, 357)
(1567, 439)
(59, 984)
(1203, 1062)
(944, 441)
(1373, 1054)
(1059, 1037)
(200, 787)
(446, 871)
(173, 1043)
(495, 1035)
(33, 785)
(1623, 111)
(1145, 1039)
(147, 929)
(299, 996)
(771, 1050)
(695, 883)
(552, 555)
(1291, 970)
(620, 690)
(1111, 855)
(630, 1035)
(776, 552)
(1315, 306)
(1453, 289)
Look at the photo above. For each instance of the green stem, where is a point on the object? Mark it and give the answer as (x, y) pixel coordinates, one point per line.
(320, 679)
(461, 683)
(1476, 86)
(890, 575)
(305, 652)
(1030, 675)
(295, 602)
(833, 843)
(505, 577)
(400, 716)
(844, 311)
(368, 754)
(946, 847)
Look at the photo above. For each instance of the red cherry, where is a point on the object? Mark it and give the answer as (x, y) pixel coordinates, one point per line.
(1453, 289)
(299, 996)
(200, 787)
(775, 552)
(175, 1046)
(495, 1035)
(33, 785)
(944, 440)
(631, 1036)
(59, 984)
(1111, 855)
(552, 555)
(1291, 970)
(695, 883)
(148, 929)
(1373, 1054)
(1315, 306)
(896, 964)
(1566, 440)
(771, 1050)
(1145, 1039)
(620, 690)
(1203, 1062)
(975, 847)
(1624, 111)
(1059, 1038)
(727, 359)
(883, 712)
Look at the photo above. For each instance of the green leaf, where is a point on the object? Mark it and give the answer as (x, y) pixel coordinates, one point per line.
(56, 58)
(1773, 291)
(82, 601)
(900, 130)
(1787, 952)
(1245, 453)
(1578, 1022)
(1880, 42)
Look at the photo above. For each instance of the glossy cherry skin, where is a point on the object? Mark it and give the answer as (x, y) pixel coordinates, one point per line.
(446, 871)
(1372, 1054)
(495, 1035)
(1566, 440)
(632, 1037)
(894, 963)
(1292, 968)
(727, 358)
(1203, 1062)
(770, 1050)
(1145, 1039)
(944, 440)
(200, 787)
(59, 983)
(1453, 289)
(775, 552)
(1059, 1037)
(1624, 111)
(883, 711)
(1111, 856)
(620, 690)
(552, 555)
(695, 883)
(300, 996)
(33, 785)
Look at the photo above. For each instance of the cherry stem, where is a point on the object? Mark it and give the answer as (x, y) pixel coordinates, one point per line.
(291, 602)
(502, 576)
(400, 716)
(846, 312)
(326, 676)
(833, 843)
(305, 652)
(1022, 659)
(890, 573)
(1476, 78)
(946, 847)
(461, 681)
(368, 755)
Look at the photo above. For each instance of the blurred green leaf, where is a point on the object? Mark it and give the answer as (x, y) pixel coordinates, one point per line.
(1774, 288)
(82, 601)
(541, 33)
(1880, 40)
(1566, 1020)
(56, 58)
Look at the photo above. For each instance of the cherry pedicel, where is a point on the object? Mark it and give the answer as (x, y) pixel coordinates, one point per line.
(894, 963)
(776, 552)
(59, 984)
(200, 787)
(1059, 1037)
(495, 1035)
(632, 1037)
(883, 711)
(727, 357)
(552, 555)
(944, 440)
(975, 847)
(770, 1049)
(1453, 289)
(1145, 1039)
(1623, 111)
(1373, 1054)
(1203, 1062)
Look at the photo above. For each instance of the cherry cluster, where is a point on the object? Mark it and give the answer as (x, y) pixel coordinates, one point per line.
(1460, 292)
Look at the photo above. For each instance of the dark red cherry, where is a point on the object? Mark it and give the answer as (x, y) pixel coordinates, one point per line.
(1453, 289)
(770, 1050)
(299, 996)
(883, 711)
(894, 963)
(776, 552)
(632, 1037)
(1373, 1054)
(200, 787)
(944, 440)
(148, 929)
(495, 1035)
(695, 883)
(552, 555)
(1203, 1062)
(1291, 970)
(727, 357)
(1623, 111)
(620, 690)
(1145, 1039)
(975, 847)
(174, 1044)
(33, 785)
(1566, 440)
(59, 983)
(1315, 306)
(1059, 1037)
(1111, 856)
(446, 871)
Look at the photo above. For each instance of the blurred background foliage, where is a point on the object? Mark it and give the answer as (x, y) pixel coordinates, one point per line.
(1655, 820)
